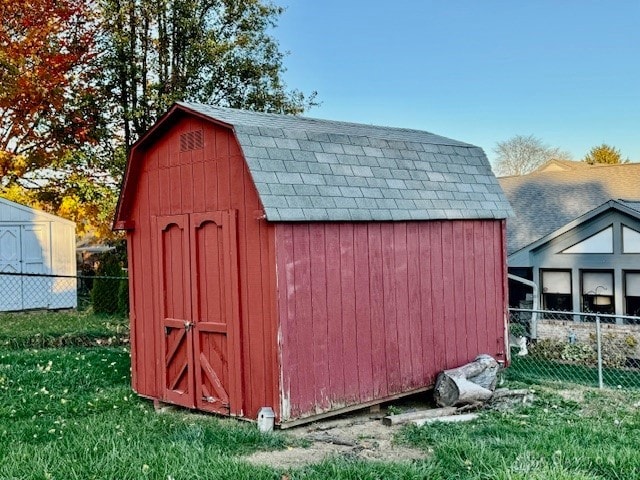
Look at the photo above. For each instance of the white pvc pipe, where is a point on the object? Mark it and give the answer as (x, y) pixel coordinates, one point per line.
(536, 302)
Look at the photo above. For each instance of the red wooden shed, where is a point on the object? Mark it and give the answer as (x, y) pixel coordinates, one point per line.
(307, 265)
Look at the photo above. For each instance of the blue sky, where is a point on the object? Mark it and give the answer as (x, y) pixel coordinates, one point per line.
(566, 71)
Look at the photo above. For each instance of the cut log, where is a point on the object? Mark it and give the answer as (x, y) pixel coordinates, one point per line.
(467, 384)
(390, 420)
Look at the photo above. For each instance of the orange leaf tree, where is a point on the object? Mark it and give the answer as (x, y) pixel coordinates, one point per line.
(50, 107)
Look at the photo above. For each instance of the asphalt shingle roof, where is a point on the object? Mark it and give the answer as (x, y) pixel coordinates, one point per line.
(307, 169)
(546, 201)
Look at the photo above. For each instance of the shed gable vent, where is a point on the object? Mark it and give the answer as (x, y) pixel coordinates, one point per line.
(191, 141)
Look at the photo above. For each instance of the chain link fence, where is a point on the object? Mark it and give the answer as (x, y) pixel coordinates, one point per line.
(590, 349)
(29, 291)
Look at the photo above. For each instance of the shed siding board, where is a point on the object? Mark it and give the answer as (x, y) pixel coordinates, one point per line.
(319, 315)
(389, 298)
(448, 306)
(390, 331)
(334, 313)
(413, 291)
(363, 315)
(432, 243)
(214, 178)
(378, 338)
(348, 307)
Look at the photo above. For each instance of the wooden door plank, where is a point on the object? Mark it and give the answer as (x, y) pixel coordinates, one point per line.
(176, 379)
(174, 345)
(175, 307)
(213, 379)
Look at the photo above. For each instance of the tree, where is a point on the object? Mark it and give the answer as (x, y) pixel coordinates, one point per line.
(51, 111)
(604, 154)
(211, 51)
(522, 154)
(81, 80)
(47, 95)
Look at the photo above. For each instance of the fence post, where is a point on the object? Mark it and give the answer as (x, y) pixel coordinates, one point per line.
(599, 345)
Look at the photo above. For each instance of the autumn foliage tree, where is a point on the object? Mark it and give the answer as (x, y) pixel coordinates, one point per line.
(604, 154)
(81, 80)
(46, 96)
(51, 116)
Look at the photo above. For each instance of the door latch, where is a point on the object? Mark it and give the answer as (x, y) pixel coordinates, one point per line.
(188, 326)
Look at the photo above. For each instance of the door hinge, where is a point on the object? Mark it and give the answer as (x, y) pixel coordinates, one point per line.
(209, 399)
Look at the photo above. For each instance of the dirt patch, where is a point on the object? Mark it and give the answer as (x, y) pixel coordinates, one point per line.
(358, 436)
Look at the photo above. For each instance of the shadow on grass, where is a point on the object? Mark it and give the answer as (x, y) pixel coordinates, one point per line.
(46, 329)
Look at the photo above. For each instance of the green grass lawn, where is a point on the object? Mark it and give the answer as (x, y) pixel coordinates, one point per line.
(65, 328)
(69, 413)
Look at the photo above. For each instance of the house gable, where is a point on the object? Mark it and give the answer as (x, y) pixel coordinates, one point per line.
(613, 216)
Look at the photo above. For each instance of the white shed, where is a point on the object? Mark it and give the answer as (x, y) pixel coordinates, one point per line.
(36, 242)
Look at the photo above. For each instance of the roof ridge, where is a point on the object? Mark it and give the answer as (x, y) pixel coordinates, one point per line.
(569, 173)
(337, 123)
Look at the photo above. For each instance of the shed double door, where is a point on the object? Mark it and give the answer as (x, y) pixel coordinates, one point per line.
(199, 316)
(24, 249)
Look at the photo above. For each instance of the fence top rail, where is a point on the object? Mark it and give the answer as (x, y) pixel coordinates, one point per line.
(568, 312)
(49, 275)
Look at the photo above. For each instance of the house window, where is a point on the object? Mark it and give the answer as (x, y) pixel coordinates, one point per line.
(556, 290)
(632, 295)
(630, 240)
(598, 292)
(601, 242)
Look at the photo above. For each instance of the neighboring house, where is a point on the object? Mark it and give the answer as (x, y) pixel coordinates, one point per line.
(306, 265)
(562, 165)
(35, 242)
(576, 234)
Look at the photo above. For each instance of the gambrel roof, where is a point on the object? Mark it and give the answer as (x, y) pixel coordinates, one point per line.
(308, 169)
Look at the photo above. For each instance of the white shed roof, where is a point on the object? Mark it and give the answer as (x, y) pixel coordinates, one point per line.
(12, 212)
